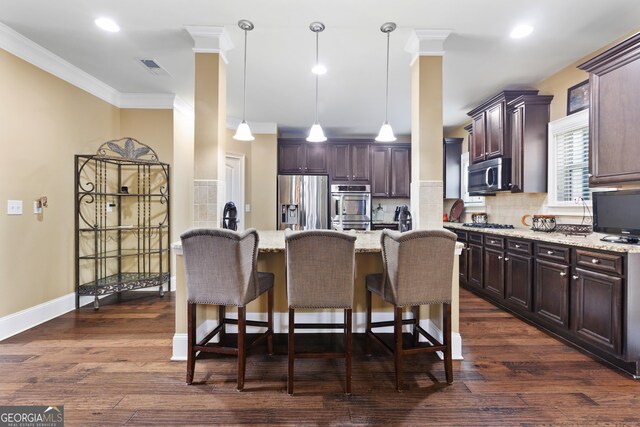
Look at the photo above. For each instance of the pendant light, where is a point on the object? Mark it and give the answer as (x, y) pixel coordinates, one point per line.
(386, 133)
(316, 134)
(244, 132)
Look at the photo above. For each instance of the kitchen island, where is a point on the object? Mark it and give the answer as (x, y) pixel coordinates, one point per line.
(271, 258)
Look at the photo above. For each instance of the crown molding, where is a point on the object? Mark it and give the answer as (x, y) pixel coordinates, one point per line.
(426, 42)
(26, 49)
(262, 128)
(210, 39)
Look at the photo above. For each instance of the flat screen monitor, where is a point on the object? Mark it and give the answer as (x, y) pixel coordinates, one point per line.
(617, 212)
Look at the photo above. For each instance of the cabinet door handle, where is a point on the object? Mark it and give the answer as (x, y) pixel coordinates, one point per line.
(506, 258)
(493, 242)
(549, 252)
(589, 175)
(595, 261)
(499, 256)
(562, 273)
(468, 249)
(486, 154)
(575, 277)
(517, 246)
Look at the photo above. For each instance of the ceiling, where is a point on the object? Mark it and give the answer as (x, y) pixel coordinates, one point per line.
(480, 58)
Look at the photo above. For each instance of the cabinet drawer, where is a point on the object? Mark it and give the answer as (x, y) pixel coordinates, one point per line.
(610, 263)
(520, 247)
(474, 238)
(494, 242)
(553, 252)
(462, 235)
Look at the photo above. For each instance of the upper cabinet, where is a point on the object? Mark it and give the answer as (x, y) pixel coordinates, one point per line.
(390, 170)
(350, 163)
(302, 158)
(614, 114)
(528, 117)
(452, 150)
(490, 128)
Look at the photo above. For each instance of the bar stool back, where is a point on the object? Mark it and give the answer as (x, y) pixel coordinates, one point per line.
(320, 275)
(221, 269)
(418, 270)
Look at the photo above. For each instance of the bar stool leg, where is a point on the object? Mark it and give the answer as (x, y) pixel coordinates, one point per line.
(416, 319)
(398, 343)
(242, 329)
(270, 321)
(348, 345)
(222, 313)
(291, 351)
(448, 364)
(191, 337)
(367, 334)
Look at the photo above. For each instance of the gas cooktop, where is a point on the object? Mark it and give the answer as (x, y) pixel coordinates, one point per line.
(487, 225)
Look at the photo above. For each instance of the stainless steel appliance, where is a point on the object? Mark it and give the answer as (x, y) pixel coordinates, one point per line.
(303, 202)
(404, 219)
(489, 177)
(351, 207)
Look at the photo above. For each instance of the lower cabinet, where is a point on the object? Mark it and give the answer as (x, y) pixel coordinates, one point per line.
(494, 272)
(552, 293)
(587, 297)
(518, 280)
(597, 309)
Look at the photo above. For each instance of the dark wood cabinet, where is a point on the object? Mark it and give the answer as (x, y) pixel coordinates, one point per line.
(597, 309)
(529, 119)
(452, 150)
(614, 121)
(390, 171)
(494, 142)
(350, 163)
(586, 296)
(380, 171)
(302, 158)
(552, 293)
(518, 280)
(491, 135)
(494, 272)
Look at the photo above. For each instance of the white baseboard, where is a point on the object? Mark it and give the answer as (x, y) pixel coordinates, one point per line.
(281, 325)
(456, 339)
(22, 320)
(180, 340)
(15, 323)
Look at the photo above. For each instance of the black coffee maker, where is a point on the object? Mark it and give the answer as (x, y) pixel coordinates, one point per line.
(404, 218)
(230, 216)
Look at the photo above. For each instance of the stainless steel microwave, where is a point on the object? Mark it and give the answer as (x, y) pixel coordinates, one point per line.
(489, 177)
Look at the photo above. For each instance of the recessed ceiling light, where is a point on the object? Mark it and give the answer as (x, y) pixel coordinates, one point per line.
(521, 31)
(107, 25)
(319, 69)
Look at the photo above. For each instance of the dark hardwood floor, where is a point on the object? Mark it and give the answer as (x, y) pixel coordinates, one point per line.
(112, 367)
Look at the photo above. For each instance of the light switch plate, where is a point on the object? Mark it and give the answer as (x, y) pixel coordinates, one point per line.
(14, 207)
(247, 207)
(36, 209)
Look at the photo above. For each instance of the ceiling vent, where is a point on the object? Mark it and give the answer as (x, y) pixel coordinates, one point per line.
(153, 67)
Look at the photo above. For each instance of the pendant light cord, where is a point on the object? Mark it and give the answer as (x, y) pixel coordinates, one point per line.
(386, 95)
(244, 83)
(316, 78)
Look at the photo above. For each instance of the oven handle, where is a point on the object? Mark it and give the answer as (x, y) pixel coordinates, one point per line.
(341, 208)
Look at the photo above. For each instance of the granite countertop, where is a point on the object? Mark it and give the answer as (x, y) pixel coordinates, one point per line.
(591, 241)
(273, 241)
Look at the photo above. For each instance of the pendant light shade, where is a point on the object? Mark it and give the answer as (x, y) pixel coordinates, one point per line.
(243, 133)
(386, 132)
(316, 133)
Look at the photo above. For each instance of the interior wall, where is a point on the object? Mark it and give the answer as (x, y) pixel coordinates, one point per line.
(44, 122)
(182, 171)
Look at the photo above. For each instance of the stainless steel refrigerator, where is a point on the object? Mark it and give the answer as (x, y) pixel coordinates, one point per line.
(303, 202)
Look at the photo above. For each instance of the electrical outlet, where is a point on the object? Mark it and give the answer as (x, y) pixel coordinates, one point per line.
(110, 206)
(37, 207)
(14, 207)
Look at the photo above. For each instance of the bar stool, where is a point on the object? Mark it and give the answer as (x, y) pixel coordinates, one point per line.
(418, 269)
(221, 269)
(320, 275)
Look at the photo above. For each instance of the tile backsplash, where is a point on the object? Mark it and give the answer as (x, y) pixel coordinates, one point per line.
(506, 208)
(388, 205)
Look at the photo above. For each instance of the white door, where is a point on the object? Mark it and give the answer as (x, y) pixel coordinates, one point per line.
(234, 165)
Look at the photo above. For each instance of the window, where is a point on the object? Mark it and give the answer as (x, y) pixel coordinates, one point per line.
(569, 163)
(469, 201)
